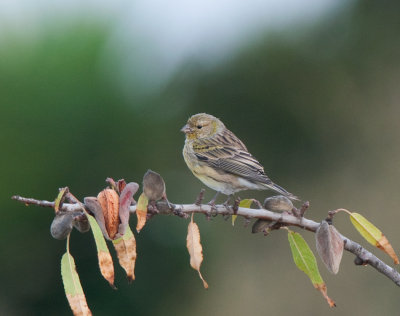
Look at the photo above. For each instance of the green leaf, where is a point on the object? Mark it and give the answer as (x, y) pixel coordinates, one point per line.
(304, 258)
(97, 234)
(366, 229)
(70, 277)
(245, 203)
(306, 262)
(234, 217)
(72, 285)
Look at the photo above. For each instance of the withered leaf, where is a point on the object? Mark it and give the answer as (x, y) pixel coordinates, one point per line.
(103, 254)
(195, 249)
(125, 201)
(106, 266)
(60, 198)
(72, 286)
(109, 201)
(329, 246)
(126, 252)
(141, 211)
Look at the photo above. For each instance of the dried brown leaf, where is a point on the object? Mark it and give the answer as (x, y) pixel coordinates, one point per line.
(109, 201)
(322, 288)
(106, 266)
(60, 198)
(329, 246)
(78, 305)
(126, 252)
(195, 249)
(384, 245)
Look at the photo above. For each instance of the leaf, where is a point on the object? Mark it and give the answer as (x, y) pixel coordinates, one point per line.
(306, 262)
(329, 246)
(373, 235)
(103, 254)
(246, 203)
(195, 249)
(243, 203)
(72, 286)
(60, 198)
(126, 252)
(141, 211)
(234, 217)
(109, 201)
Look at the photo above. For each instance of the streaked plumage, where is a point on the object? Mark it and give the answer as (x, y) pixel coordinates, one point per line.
(220, 159)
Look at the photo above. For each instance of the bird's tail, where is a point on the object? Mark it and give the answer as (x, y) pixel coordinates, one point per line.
(280, 190)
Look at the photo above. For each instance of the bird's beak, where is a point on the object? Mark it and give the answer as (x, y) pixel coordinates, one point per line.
(186, 129)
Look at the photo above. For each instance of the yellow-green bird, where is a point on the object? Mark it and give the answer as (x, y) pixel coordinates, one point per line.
(221, 161)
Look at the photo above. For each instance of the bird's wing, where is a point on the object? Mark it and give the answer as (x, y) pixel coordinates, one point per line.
(227, 153)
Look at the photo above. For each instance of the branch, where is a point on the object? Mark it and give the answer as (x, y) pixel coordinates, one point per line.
(363, 256)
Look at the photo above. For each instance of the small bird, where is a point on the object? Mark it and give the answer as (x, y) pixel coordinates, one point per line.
(221, 161)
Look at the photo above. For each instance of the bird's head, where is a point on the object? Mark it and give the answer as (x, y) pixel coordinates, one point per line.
(202, 125)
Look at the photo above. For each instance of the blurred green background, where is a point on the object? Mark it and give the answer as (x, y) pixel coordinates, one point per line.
(316, 102)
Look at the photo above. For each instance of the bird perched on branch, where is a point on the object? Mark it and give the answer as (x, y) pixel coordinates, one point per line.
(221, 161)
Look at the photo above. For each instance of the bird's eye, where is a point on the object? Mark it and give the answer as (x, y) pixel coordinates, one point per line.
(199, 126)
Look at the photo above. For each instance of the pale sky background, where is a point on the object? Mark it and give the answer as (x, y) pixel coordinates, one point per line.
(170, 32)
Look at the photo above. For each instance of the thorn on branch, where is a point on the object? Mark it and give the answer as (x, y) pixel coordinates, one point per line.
(295, 212)
(329, 219)
(178, 212)
(200, 197)
(235, 206)
(304, 208)
(360, 262)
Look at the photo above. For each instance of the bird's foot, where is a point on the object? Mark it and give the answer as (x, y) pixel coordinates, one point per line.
(226, 203)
